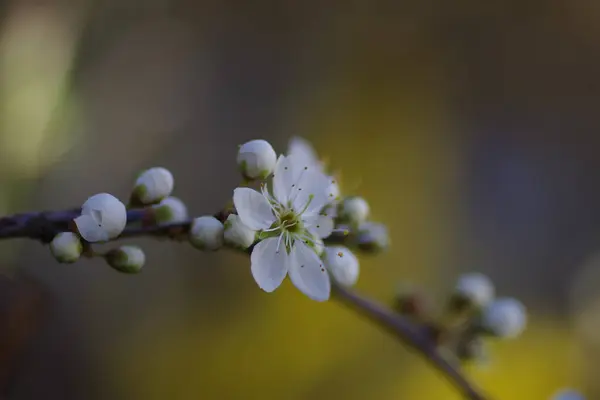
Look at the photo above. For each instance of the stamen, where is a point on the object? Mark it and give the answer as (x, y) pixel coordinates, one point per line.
(279, 242)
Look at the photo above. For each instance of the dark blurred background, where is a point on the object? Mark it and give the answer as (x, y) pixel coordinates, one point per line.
(471, 127)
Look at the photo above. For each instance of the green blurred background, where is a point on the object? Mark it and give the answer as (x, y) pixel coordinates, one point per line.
(471, 127)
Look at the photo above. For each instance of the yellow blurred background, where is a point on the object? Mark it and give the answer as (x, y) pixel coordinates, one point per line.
(470, 127)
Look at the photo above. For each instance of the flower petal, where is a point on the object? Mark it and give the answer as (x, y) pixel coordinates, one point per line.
(319, 225)
(269, 263)
(312, 186)
(90, 229)
(253, 208)
(284, 176)
(308, 273)
(302, 150)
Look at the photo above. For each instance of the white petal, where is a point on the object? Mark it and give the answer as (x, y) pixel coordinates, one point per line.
(284, 176)
(302, 150)
(252, 207)
(319, 225)
(308, 273)
(314, 186)
(90, 229)
(269, 264)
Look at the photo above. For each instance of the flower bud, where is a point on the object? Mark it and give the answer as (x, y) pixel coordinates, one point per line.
(412, 301)
(126, 259)
(373, 236)
(66, 247)
(237, 234)
(206, 233)
(567, 394)
(342, 264)
(103, 217)
(504, 318)
(170, 211)
(256, 159)
(153, 185)
(354, 209)
(474, 290)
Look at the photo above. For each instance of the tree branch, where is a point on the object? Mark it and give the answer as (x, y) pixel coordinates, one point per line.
(43, 226)
(417, 337)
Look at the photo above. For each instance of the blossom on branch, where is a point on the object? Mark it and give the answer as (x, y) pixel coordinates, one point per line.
(289, 221)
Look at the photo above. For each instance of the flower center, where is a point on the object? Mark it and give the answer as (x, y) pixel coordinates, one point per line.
(290, 221)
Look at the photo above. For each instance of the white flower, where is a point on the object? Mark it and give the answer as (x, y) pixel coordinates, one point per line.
(237, 234)
(373, 236)
(153, 185)
(342, 264)
(289, 220)
(127, 259)
(206, 233)
(103, 217)
(567, 394)
(477, 289)
(256, 159)
(66, 247)
(354, 209)
(169, 211)
(505, 318)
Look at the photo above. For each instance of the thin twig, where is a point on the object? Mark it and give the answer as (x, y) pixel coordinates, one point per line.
(43, 226)
(415, 336)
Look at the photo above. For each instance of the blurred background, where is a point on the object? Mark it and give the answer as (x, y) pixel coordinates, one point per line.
(471, 127)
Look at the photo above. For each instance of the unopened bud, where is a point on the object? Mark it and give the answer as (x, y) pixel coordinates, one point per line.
(170, 211)
(411, 301)
(504, 318)
(103, 217)
(237, 234)
(153, 185)
(342, 264)
(206, 233)
(126, 259)
(354, 209)
(66, 247)
(373, 236)
(256, 159)
(472, 290)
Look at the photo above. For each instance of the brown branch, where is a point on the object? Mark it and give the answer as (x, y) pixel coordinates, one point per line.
(417, 337)
(43, 226)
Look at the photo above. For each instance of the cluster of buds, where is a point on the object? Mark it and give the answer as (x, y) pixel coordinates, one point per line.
(296, 224)
(470, 316)
(104, 217)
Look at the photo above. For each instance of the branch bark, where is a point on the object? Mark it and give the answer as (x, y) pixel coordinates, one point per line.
(43, 226)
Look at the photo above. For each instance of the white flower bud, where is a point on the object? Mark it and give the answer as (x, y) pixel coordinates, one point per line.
(237, 234)
(342, 264)
(373, 236)
(66, 247)
(170, 211)
(103, 217)
(256, 159)
(206, 233)
(126, 259)
(567, 394)
(505, 318)
(475, 288)
(354, 209)
(153, 185)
